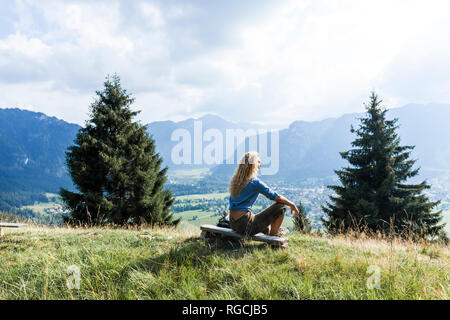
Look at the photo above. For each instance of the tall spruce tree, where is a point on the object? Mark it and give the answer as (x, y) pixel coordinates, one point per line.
(114, 166)
(373, 192)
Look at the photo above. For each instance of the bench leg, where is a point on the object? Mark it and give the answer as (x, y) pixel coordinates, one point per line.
(280, 245)
(208, 236)
(1, 232)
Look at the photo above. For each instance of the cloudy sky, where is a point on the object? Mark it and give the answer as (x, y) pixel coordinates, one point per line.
(254, 61)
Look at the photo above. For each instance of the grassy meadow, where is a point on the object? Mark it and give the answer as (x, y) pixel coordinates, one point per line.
(187, 175)
(206, 196)
(38, 263)
(39, 207)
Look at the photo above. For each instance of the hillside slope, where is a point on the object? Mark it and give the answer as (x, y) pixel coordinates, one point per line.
(32, 147)
(36, 263)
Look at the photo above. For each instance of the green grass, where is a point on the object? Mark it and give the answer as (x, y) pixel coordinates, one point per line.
(203, 218)
(40, 206)
(188, 176)
(177, 264)
(206, 196)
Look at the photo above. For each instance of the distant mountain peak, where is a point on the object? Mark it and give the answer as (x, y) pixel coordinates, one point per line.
(33, 115)
(210, 116)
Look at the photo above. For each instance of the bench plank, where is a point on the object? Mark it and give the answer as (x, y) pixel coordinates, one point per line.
(11, 225)
(230, 233)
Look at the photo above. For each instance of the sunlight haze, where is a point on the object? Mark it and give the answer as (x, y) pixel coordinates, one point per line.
(266, 62)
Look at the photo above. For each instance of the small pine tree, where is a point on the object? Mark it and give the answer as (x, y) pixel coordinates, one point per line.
(114, 166)
(373, 192)
(301, 222)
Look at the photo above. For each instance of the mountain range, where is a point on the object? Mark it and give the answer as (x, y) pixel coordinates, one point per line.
(311, 149)
(33, 145)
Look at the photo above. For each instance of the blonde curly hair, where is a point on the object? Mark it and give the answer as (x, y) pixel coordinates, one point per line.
(246, 170)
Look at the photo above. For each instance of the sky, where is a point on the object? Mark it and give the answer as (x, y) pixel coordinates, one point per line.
(260, 61)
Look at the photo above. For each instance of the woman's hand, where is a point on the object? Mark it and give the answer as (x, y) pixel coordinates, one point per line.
(294, 210)
(285, 201)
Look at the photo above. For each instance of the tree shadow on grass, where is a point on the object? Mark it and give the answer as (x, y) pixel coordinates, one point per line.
(10, 241)
(195, 252)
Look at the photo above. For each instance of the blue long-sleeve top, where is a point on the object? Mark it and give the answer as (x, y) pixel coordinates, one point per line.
(249, 194)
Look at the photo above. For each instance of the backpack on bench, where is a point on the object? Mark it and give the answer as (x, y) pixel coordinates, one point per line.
(224, 222)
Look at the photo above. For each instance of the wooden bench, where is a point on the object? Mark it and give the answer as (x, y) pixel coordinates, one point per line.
(9, 225)
(209, 229)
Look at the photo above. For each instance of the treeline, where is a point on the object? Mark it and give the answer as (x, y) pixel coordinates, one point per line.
(10, 217)
(17, 199)
(11, 203)
(37, 217)
(30, 216)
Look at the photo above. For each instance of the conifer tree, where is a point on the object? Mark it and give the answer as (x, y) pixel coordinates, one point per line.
(373, 191)
(114, 166)
(301, 222)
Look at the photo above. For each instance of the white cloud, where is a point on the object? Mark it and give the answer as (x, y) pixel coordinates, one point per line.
(152, 15)
(27, 48)
(68, 104)
(264, 61)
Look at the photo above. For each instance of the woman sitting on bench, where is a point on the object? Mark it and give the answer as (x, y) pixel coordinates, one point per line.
(244, 189)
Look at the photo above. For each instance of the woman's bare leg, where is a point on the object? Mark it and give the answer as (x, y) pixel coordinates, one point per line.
(275, 226)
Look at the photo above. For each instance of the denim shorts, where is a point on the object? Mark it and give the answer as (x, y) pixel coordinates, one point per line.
(251, 224)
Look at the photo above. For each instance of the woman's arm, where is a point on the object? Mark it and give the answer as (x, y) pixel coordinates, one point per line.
(283, 200)
(269, 193)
